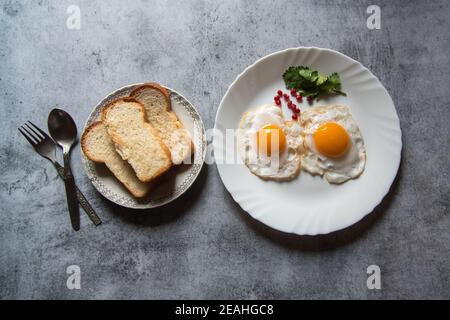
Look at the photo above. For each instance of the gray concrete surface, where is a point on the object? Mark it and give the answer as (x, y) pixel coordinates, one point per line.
(204, 245)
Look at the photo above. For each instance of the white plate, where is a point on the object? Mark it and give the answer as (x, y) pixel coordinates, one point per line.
(175, 182)
(309, 205)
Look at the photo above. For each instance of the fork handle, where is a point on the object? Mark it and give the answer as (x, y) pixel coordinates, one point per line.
(81, 198)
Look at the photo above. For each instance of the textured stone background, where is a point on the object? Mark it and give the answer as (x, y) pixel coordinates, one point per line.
(204, 245)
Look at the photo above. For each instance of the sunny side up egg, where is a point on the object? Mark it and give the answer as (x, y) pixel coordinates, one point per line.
(334, 146)
(269, 145)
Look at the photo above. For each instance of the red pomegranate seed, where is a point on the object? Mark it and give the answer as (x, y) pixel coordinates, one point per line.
(276, 98)
(297, 110)
(294, 107)
(289, 103)
(280, 93)
(299, 98)
(294, 117)
(278, 102)
(293, 92)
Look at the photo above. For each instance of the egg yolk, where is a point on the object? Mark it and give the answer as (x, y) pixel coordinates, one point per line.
(265, 136)
(331, 140)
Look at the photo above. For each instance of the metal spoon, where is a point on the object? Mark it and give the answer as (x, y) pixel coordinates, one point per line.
(63, 130)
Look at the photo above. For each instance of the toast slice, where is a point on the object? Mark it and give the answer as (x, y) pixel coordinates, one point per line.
(135, 140)
(156, 101)
(98, 147)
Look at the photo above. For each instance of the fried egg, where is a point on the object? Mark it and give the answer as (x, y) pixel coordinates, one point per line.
(334, 146)
(269, 145)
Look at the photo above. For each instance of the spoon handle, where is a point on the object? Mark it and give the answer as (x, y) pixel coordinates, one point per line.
(81, 199)
(71, 193)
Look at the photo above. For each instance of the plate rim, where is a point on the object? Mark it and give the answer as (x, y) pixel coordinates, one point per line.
(85, 160)
(397, 119)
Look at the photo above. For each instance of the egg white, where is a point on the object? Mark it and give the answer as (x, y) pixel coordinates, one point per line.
(334, 170)
(280, 167)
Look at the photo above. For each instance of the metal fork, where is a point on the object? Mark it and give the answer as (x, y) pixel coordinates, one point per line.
(46, 147)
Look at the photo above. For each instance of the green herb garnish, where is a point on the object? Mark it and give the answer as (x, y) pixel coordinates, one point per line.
(310, 83)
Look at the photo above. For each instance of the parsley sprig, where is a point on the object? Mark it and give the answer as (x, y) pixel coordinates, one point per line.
(310, 83)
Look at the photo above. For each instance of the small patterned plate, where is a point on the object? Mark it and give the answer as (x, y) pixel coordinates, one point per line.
(175, 182)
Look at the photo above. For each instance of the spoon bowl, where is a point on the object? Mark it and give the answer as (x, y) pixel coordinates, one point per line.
(62, 128)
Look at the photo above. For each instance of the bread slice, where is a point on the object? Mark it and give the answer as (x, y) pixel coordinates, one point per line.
(98, 147)
(135, 140)
(156, 101)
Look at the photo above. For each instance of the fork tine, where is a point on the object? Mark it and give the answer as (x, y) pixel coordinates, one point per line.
(27, 137)
(35, 138)
(37, 128)
(35, 132)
